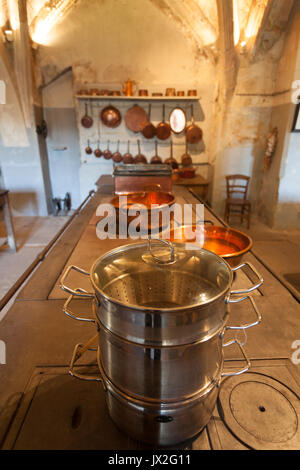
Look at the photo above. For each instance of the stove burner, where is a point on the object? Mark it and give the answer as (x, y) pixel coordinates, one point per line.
(261, 412)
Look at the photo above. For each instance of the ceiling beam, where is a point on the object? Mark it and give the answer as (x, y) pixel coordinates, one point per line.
(227, 53)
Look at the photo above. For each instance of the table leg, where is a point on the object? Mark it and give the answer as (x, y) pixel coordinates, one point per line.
(11, 239)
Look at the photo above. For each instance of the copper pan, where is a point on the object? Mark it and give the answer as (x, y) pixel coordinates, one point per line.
(162, 199)
(228, 243)
(135, 118)
(86, 121)
(193, 132)
(111, 116)
(163, 130)
(148, 130)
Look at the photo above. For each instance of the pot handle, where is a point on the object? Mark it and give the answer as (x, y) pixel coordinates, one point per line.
(256, 310)
(79, 350)
(77, 292)
(245, 369)
(164, 242)
(252, 288)
(69, 312)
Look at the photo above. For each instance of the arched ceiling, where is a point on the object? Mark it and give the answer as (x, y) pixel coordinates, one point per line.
(257, 23)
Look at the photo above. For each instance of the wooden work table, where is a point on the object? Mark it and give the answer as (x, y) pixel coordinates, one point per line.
(39, 337)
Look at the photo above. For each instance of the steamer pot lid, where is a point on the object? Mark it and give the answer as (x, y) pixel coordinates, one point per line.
(132, 273)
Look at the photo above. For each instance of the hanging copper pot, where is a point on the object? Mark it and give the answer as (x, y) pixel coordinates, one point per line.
(135, 118)
(156, 159)
(111, 116)
(88, 149)
(149, 130)
(193, 133)
(186, 159)
(171, 161)
(98, 153)
(127, 157)
(140, 158)
(163, 130)
(86, 121)
(117, 156)
(107, 153)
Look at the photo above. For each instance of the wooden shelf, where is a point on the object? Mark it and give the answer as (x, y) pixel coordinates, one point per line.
(138, 98)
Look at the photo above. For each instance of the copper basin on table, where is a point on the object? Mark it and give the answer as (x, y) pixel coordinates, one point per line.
(148, 198)
(228, 243)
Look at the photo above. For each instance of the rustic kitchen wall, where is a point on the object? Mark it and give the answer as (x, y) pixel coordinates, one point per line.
(110, 41)
(159, 44)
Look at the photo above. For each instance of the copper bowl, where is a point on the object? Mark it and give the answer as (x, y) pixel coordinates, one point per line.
(228, 243)
(147, 198)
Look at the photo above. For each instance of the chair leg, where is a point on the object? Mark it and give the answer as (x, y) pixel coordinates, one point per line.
(242, 214)
(249, 215)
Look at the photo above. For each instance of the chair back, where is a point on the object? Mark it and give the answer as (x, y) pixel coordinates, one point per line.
(237, 186)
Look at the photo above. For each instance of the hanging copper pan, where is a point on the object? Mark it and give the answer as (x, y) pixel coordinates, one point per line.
(186, 159)
(171, 161)
(127, 157)
(111, 116)
(107, 153)
(163, 130)
(117, 156)
(98, 153)
(156, 159)
(86, 121)
(135, 118)
(149, 130)
(193, 133)
(88, 149)
(140, 158)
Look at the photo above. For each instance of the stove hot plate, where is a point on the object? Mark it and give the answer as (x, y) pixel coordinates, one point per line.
(256, 410)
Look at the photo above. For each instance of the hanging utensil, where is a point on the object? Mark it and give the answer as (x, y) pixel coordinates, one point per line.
(193, 133)
(117, 157)
(127, 157)
(107, 153)
(163, 130)
(177, 120)
(135, 118)
(186, 159)
(98, 153)
(88, 149)
(86, 121)
(149, 130)
(171, 161)
(140, 158)
(156, 159)
(111, 117)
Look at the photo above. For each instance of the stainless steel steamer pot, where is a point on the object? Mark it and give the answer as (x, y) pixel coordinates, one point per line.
(161, 312)
(161, 295)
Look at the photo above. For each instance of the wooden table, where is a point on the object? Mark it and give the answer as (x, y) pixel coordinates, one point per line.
(199, 184)
(4, 203)
(40, 339)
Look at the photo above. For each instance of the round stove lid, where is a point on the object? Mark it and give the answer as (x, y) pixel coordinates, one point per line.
(261, 412)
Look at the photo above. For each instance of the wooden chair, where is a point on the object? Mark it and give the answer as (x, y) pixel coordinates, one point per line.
(237, 189)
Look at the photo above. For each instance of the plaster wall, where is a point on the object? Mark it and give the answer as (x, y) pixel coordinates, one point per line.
(23, 176)
(110, 41)
(280, 197)
(62, 140)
